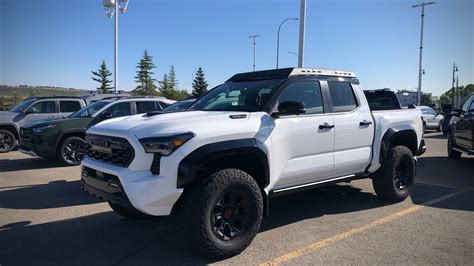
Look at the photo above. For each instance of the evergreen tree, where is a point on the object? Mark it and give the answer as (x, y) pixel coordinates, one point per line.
(169, 84)
(172, 79)
(102, 76)
(146, 83)
(199, 83)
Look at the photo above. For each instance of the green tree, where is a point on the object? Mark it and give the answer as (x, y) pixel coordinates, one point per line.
(146, 83)
(172, 79)
(102, 76)
(425, 99)
(2, 103)
(199, 83)
(179, 95)
(169, 84)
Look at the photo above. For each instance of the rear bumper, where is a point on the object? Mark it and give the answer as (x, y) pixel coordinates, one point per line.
(421, 148)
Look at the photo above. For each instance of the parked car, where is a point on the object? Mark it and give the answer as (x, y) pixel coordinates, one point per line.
(64, 138)
(461, 130)
(258, 135)
(431, 119)
(95, 97)
(31, 110)
(179, 106)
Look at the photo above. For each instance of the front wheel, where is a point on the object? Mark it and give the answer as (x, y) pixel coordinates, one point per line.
(7, 141)
(72, 150)
(452, 153)
(222, 212)
(394, 179)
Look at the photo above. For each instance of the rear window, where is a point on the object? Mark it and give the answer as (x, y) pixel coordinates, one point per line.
(342, 96)
(145, 107)
(382, 100)
(69, 106)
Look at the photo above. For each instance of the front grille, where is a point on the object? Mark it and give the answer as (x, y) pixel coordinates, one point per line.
(111, 150)
(25, 134)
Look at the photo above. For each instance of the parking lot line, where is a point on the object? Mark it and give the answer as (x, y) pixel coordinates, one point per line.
(325, 242)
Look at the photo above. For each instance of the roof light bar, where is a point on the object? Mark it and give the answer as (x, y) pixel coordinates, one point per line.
(322, 72)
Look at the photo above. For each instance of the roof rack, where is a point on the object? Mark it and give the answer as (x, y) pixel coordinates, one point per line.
(322, 72)
(55, 97)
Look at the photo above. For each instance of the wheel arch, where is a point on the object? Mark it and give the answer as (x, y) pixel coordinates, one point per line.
(394, 137)
(80, 134)
(13, 129)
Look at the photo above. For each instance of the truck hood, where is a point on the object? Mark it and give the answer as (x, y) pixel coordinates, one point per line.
(65, 122)
(206, 123)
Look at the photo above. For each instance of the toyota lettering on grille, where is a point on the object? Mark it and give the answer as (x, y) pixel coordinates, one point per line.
(101, 144)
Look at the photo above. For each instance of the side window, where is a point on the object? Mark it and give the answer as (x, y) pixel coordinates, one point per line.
(119, 109)
(467, 106)
(342, 96)
(164, 105)
(69, 106)
(145, 107)
(307, 92)
(45, 107)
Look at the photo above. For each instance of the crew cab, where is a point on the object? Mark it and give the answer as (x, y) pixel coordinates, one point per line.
(258, 135)
(63, 139)
(461, 130)
(32, 110)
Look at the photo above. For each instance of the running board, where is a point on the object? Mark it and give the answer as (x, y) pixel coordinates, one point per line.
(311, 185)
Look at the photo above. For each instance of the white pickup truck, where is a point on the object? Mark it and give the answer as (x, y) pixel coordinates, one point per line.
(257, 135)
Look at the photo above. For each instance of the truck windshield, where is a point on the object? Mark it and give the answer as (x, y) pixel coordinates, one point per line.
(90, 109)
(21, 106)
(246, 96)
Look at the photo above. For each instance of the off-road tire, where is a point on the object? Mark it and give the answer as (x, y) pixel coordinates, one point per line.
(199, 206)
(385, 179)
(452, 153)
(62, 146)
(10, 137)
(129, 213)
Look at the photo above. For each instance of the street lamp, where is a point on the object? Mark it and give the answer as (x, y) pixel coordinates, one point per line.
(254, 36)
(278, 37)
(111, 8)
(422, 5)
(455, 89)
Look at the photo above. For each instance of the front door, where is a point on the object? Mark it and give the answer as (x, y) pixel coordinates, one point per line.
(464, 125)
(39, 111)
(303, 151)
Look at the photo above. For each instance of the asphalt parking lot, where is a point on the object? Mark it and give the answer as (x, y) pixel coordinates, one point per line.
(46, 219)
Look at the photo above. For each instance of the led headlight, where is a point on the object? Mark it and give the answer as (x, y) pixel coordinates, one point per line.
(42, 129)
(165, 145)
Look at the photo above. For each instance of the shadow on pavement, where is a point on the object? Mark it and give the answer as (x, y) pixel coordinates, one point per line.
(52, 195)
(434, 136)
(7, 165)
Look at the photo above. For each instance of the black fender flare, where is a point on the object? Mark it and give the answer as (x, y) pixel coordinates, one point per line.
(387, 140)
(189, 166)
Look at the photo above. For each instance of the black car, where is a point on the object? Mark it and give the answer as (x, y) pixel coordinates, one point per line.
(461, 130)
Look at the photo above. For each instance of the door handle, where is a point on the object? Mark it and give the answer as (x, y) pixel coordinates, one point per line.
(326, 126)
(365, 123)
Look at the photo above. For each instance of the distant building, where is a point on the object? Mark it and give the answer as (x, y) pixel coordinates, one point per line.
(407, 97)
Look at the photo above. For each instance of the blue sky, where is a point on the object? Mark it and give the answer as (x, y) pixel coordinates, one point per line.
(58, 43)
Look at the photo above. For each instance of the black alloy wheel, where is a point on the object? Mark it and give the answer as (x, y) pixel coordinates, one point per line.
(7, 141)
(73, 151)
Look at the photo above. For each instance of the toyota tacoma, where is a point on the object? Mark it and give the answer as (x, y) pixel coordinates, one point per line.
(260, 134)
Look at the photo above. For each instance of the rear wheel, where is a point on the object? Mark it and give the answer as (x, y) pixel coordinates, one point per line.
(452, 153)
(7, 141)
(440, 126)
(222, 213)
(394, 179)
(72, 150)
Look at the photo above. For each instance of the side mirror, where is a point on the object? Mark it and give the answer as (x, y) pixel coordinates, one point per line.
(105, 115)
(291, 108)
(456, 112)
(411, 106)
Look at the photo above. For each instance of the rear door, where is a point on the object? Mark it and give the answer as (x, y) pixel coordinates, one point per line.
(303, 151)
(353, 127)
(146, 106)
(67, 107)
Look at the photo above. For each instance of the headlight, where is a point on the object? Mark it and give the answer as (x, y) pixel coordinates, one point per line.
(42, 129)
(165, 145)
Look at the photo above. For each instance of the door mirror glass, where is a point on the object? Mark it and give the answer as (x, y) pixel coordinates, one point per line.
(291, 108)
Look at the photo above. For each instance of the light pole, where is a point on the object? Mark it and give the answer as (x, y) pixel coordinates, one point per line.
(302, 33)
(422, 5)
(455, 89)
(254, 36)
(111, 8)
(278, 37)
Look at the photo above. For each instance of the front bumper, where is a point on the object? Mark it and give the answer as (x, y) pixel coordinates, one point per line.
(140, 189)
(36, 145)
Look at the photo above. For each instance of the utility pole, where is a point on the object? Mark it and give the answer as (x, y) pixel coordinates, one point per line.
(302, 32)
(278, 38)
(420, 70)
(455, 89)
(254, 36)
